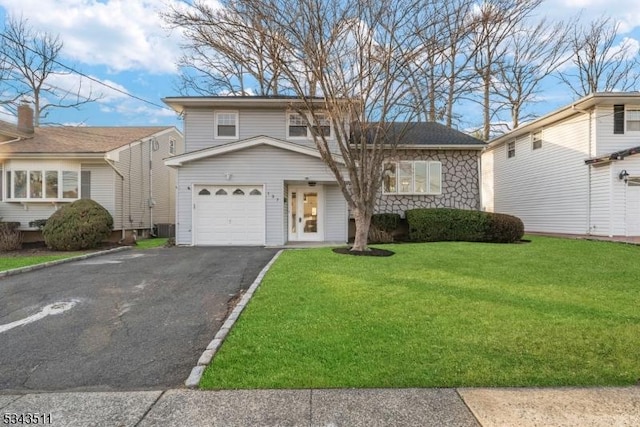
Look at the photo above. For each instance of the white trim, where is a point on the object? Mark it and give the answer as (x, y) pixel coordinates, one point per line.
(413, 178)
(181, 159)
(310, 117)
(627, 109)
(300, 235)
(215, 124)
(43, 171)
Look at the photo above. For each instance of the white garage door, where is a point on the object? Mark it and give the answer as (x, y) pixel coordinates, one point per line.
(229, 215)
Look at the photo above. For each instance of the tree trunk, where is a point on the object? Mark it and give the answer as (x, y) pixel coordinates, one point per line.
(363, 221)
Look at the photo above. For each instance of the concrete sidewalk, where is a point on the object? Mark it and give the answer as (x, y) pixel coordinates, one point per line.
(336, 407)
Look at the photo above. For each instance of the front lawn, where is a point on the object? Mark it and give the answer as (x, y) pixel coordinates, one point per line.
(552, 312)
(11, 262)
(155, 242)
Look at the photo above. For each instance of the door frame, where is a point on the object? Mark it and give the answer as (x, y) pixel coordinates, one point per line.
(300, 236)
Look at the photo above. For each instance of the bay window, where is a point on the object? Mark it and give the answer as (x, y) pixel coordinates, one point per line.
(412, 177)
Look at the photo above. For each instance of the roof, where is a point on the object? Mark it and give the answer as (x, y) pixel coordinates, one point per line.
(432, 135)
(178, 103)
(78, 139)
(579, 107)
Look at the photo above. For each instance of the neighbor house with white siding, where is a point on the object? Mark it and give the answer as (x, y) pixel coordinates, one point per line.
(122, 168)
(251, 173)
(573, 171)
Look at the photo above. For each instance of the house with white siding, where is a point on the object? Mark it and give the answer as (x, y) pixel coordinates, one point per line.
(573, 171)
(252, 175)
(122, 168)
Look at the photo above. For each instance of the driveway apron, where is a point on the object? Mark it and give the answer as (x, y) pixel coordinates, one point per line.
(133, 320)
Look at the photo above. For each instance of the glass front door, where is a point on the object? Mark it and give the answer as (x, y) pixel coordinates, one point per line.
(305, 214)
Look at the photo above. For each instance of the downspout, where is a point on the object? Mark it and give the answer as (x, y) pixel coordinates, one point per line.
(150, 202)
(121, 196)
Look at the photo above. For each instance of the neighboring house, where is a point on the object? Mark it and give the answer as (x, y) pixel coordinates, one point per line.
(121, 168)
(251, 174)
(573, 171)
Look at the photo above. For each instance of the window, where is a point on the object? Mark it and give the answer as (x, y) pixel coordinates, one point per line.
(45, 184)
(226, 124)
(536, 140)
(297, 125)
(633, 120)
(412, 177)
(618, 119)
(221, 192)
(172, 146)
(511, 149)
(255, 192)
(69, 185)
(238, 192)
(204, 192)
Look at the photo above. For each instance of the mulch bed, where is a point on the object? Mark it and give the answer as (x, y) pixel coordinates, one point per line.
(370, 252)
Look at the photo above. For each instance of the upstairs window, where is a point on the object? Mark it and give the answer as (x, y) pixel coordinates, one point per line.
(297, 125)
(633, 119)
(618, 119)
(226, 123)
(511, 149)
(412, 177)
(536, 140)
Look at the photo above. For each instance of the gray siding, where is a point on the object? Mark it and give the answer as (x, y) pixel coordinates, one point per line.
(262, 122)
(257, 165)
(102, 189)
(198, 129)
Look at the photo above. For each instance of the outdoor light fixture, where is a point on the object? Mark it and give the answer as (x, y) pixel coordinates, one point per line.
(623, 174)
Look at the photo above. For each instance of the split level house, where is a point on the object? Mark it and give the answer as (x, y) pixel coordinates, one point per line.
(122, 168)
(573, 171)
(251, 173)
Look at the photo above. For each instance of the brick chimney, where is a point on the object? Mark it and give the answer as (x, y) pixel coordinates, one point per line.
(25, 117)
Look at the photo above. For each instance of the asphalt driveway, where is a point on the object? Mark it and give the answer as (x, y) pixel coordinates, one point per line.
(132, 320)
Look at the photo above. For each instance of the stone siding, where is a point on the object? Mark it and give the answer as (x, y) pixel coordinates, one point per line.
(460, 182)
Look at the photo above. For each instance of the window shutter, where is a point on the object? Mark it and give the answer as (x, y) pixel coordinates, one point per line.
(618, 119)
(85, 187)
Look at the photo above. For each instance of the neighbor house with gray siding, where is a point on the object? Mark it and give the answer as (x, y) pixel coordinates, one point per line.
(573, 171)
(122, 168)
(251, 174)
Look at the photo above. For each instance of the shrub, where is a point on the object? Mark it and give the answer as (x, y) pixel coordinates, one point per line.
(433, 225)
(382, 227)
(10, 236)
(82, 224)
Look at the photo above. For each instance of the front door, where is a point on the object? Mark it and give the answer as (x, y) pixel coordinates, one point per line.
(305, 214)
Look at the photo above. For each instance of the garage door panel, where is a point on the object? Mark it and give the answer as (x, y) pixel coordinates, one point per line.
(229, 215)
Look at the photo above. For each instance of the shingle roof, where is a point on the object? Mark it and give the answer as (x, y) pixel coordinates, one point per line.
(79, 139)
(424, 134)
(432, 133)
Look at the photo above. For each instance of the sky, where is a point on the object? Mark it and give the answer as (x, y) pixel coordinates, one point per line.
(126, 45)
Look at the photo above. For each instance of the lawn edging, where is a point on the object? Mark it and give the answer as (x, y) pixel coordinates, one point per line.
(20, 270)
(196, 373)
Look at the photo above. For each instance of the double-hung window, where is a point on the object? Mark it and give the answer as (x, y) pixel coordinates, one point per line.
(297, 125)
(412, 177)
(511, 149)
(633, 119)
(536, 140)
(226, 124)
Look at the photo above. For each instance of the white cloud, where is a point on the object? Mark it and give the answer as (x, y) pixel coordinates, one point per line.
(120, 34)
(622, 12)
(85, 89)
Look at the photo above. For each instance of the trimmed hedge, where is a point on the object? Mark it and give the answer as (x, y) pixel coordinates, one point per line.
(83, 224)
(436, 225)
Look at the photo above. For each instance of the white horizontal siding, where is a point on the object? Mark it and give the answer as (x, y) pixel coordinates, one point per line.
(632, 166)
(335, 223)
(547, 188)
(102, 188)
(257, 165)
(600, 221)
(608, 142)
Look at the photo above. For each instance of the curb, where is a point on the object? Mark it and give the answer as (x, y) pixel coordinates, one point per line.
(196, 373)
(29, 268)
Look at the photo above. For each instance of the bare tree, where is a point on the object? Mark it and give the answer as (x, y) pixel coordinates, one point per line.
(495, 21)
(599, 64)
(32, 60)
(533, 54)
(344, 62)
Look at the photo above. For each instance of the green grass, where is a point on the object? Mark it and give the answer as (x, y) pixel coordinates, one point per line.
(8, 263)
(552, 312)
(151, 243)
